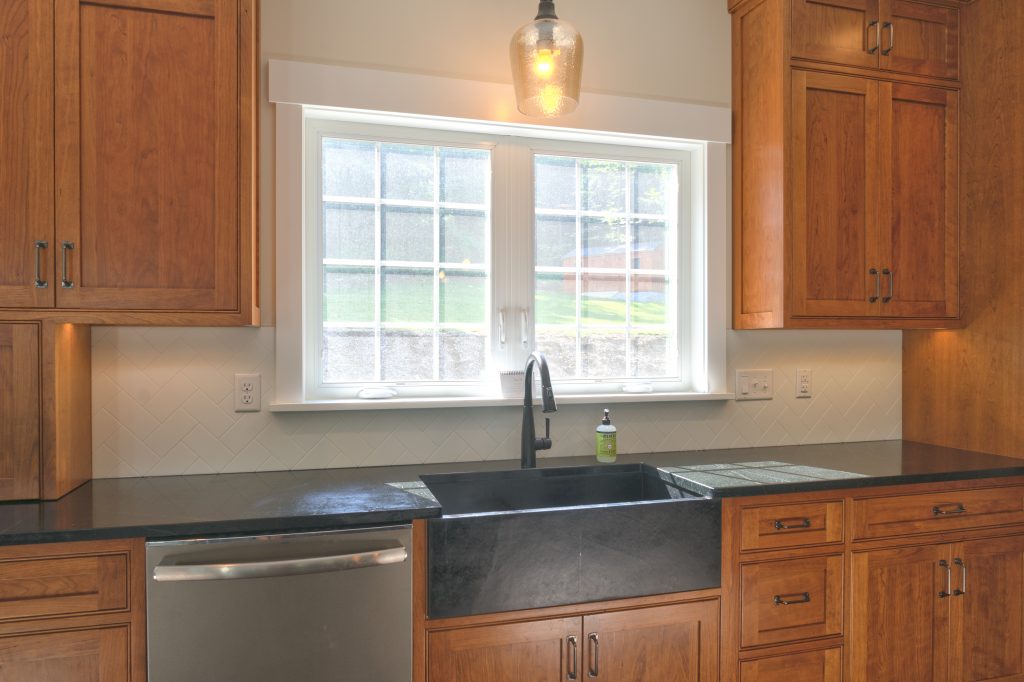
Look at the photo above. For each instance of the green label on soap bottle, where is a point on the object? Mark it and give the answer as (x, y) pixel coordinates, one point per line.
(605, 447)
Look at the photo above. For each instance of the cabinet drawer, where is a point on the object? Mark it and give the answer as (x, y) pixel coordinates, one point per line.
(809, 666)
(791, 525)
(63, 586)
(937, 511)
(788, 600)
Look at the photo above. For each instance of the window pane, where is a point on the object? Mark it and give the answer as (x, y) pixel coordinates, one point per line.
(348, 231)
(463, 296)
(407, 295)
(604, 299)
(463, 354)
(463, 236)
(603, 185)
(406, 355)
(652, 355)
(464, 175)
(649, 244)
(348, 168)
(559, 346)
(648, 304)
(604, 243)
(555, 299)
(555, 182)
(348, 294)
(348, 355)
(556, 241)
(603, 354)
(407, 172)
(651, 183)
(408, 233)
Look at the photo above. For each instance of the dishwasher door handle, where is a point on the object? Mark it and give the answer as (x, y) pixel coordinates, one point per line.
(167, 573)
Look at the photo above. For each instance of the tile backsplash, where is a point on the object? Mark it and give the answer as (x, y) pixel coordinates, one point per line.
(162, 405)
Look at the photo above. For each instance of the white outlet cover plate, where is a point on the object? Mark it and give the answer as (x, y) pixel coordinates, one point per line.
(754, 384)
(247, 400)
(804, 383)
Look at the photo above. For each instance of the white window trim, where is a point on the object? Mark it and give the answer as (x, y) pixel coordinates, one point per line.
(296, 87)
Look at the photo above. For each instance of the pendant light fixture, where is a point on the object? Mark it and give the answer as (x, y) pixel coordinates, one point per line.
(547, 64)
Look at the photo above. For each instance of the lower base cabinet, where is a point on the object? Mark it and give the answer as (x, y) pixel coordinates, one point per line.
(100, 655)
(676, 642)
(809, 666)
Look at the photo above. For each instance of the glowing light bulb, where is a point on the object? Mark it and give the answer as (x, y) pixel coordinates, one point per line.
(544, 63)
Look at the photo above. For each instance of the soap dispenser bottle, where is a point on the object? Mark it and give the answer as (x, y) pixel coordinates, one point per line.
(606, 446)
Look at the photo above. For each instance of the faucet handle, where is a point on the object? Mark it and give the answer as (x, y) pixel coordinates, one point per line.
(545, 442)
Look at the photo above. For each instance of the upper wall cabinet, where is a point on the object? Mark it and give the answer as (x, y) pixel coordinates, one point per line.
(151, 150)
(902, 36)
(846, 177)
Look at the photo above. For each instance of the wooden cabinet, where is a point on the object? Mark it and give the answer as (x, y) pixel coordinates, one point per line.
(45, 410)
(785, 601)
(906, 36)
(825, 665)
(643, 644)
(73, 611)
(132, 161)
(845, 180)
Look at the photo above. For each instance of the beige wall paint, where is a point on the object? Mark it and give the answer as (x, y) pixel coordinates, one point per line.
(162, 397)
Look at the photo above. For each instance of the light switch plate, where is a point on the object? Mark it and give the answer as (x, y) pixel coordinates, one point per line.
(754, 384)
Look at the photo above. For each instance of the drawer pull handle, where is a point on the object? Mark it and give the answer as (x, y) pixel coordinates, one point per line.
(962, 590)
(787, 599)
(786, 524)
(949, 580)
(948, 509)
(573, 671)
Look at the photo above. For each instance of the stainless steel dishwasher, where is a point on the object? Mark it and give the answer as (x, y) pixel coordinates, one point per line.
(302, 607)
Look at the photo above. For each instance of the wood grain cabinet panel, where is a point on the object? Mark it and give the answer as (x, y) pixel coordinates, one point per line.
(535, 651)
(64, 586)
(920, 39)
(20, 446)
(899, 622)
(825, 665)
(94, 655)
(935, 512)
(147, 154)
(26, 152)
(791, 525)
(838, 31)
(790, 600)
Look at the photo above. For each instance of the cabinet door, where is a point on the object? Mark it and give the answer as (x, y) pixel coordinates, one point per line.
(919, 220)
(810, 666)
(677, 642)
(537, 651)
(19, 411)
(99, 655)
(147, 154)
(920, 39)
(899, 623)
(834, 195)
(838, 31)
(992, 608)
(26, 152)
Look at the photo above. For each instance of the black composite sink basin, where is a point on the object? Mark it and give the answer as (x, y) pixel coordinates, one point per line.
(524, 489)
(523, 539)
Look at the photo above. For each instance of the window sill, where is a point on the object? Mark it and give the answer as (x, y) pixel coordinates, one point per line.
(484, 401)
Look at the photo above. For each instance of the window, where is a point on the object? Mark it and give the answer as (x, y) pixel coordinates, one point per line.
(427, 237)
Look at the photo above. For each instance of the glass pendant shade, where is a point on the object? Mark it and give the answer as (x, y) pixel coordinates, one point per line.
(547, 65)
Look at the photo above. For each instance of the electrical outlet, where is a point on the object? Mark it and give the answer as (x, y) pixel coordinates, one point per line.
(754, 384)
(247, 393)
(803, 383)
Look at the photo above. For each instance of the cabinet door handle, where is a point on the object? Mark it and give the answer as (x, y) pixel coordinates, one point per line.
(878, 285)
(878, 36)
(963, 577)
(949, 580)
(892, 284)
(892, 37)
(65, 283)
(786, 524)
(788, 599)
(594, 656)
(40, 282)
(570, 642)
(944, 509)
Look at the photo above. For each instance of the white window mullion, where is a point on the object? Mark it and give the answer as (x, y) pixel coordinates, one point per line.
(579, 271)
(630, 171)
(520, 254)
(378, 275)
(435, 266)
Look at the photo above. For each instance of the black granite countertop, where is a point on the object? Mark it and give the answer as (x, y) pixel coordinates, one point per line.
(176, 506)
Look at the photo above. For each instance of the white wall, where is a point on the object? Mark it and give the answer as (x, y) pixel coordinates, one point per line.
(162, 397)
